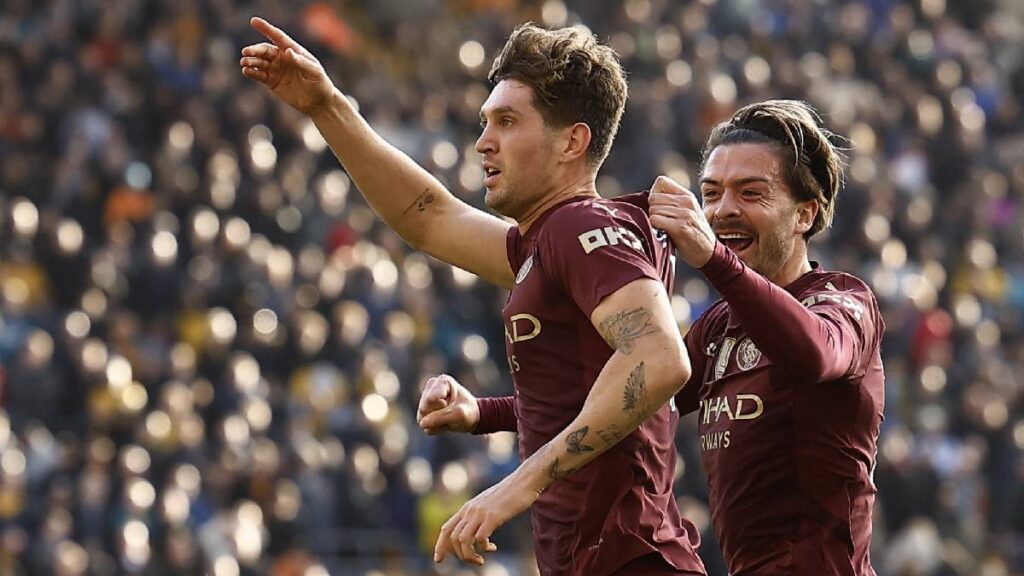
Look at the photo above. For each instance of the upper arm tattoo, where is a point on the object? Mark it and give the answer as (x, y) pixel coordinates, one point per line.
(421, 202)
(620, 330)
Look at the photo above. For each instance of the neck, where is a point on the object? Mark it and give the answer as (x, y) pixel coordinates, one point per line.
(581, 186)
(796, 266)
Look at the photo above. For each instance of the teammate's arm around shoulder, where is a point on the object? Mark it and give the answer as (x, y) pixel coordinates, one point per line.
(409, 199)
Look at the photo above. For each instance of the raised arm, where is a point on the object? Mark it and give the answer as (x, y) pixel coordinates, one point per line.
(649, 365)
(815, 341)
(407, 197)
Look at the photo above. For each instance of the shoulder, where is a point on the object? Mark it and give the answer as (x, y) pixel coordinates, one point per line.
(597, 222)
(714, 318)
(832, 281)
(842, 291)
(578, 214)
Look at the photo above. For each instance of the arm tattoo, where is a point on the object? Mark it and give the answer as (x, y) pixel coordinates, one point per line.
(556, 473)
(634, 397)
(421, 202)
(623, 328)
(575, 441)
(611, 435)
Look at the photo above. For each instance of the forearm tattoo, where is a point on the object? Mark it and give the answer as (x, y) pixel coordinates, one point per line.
(623, 328)
(634, 397)
(634, 403)
(421, 202)
(556, 473)
(575, 441)
(610, 435)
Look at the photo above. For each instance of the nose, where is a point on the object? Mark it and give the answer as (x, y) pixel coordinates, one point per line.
(485, 143)
(727, 206)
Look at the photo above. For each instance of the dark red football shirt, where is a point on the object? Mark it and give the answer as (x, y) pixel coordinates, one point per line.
(790, 404)
(620, 506)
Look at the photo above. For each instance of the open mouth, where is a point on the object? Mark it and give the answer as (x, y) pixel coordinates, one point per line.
(490, 175)
(735, 241)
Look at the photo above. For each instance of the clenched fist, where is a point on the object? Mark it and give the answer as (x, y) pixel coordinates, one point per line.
(676, 210)
(446, 406)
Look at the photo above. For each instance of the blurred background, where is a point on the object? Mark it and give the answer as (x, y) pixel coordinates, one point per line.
(211, 350)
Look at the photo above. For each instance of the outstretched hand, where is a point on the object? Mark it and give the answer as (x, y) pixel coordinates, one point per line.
(284, 66)
(467, 534)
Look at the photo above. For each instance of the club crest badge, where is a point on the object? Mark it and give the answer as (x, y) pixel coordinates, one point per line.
(747, 355)
(524, 270)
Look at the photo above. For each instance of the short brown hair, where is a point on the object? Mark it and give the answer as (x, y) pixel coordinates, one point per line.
(574, 79)
(795, 127)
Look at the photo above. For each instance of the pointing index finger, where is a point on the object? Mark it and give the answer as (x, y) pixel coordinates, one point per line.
(272, 33)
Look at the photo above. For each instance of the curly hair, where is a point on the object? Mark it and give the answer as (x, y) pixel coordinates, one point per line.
(574, 79)
(796, 129)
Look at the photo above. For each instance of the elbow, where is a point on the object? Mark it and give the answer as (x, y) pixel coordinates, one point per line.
(682, 372)
(671, 371)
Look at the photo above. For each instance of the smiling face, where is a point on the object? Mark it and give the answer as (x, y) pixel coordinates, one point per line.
(519, 150)
(748, 201)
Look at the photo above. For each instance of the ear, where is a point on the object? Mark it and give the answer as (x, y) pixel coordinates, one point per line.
(576, 142)
(806, 212)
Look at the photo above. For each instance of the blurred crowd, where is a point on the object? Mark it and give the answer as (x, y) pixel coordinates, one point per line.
(211, 350)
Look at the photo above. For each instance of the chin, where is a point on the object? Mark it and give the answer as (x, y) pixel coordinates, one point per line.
(496, 201)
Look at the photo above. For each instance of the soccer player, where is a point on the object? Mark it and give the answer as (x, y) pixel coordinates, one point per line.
(788, 379)
(591, 341)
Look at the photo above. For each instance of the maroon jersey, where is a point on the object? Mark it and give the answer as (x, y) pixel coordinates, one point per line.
(789, 387)
(620, 506)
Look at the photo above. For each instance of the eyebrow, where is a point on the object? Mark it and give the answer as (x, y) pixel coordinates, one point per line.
(738, 181)
(498, 111)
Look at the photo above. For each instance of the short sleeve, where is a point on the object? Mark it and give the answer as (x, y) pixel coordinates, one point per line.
(592, 249)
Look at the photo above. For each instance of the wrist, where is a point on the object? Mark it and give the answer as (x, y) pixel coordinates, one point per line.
(474, 419)
(333, 107)
(533, 478)
(705, 256)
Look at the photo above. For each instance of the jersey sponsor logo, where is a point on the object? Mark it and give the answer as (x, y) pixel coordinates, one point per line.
(608, 236)
(740, 407)
(855, 308)
(522, 327)
(524, 270)
(723, 357)
(747, 355)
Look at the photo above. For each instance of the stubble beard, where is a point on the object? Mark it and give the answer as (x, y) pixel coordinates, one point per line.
(773, 252)
(501, 201)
